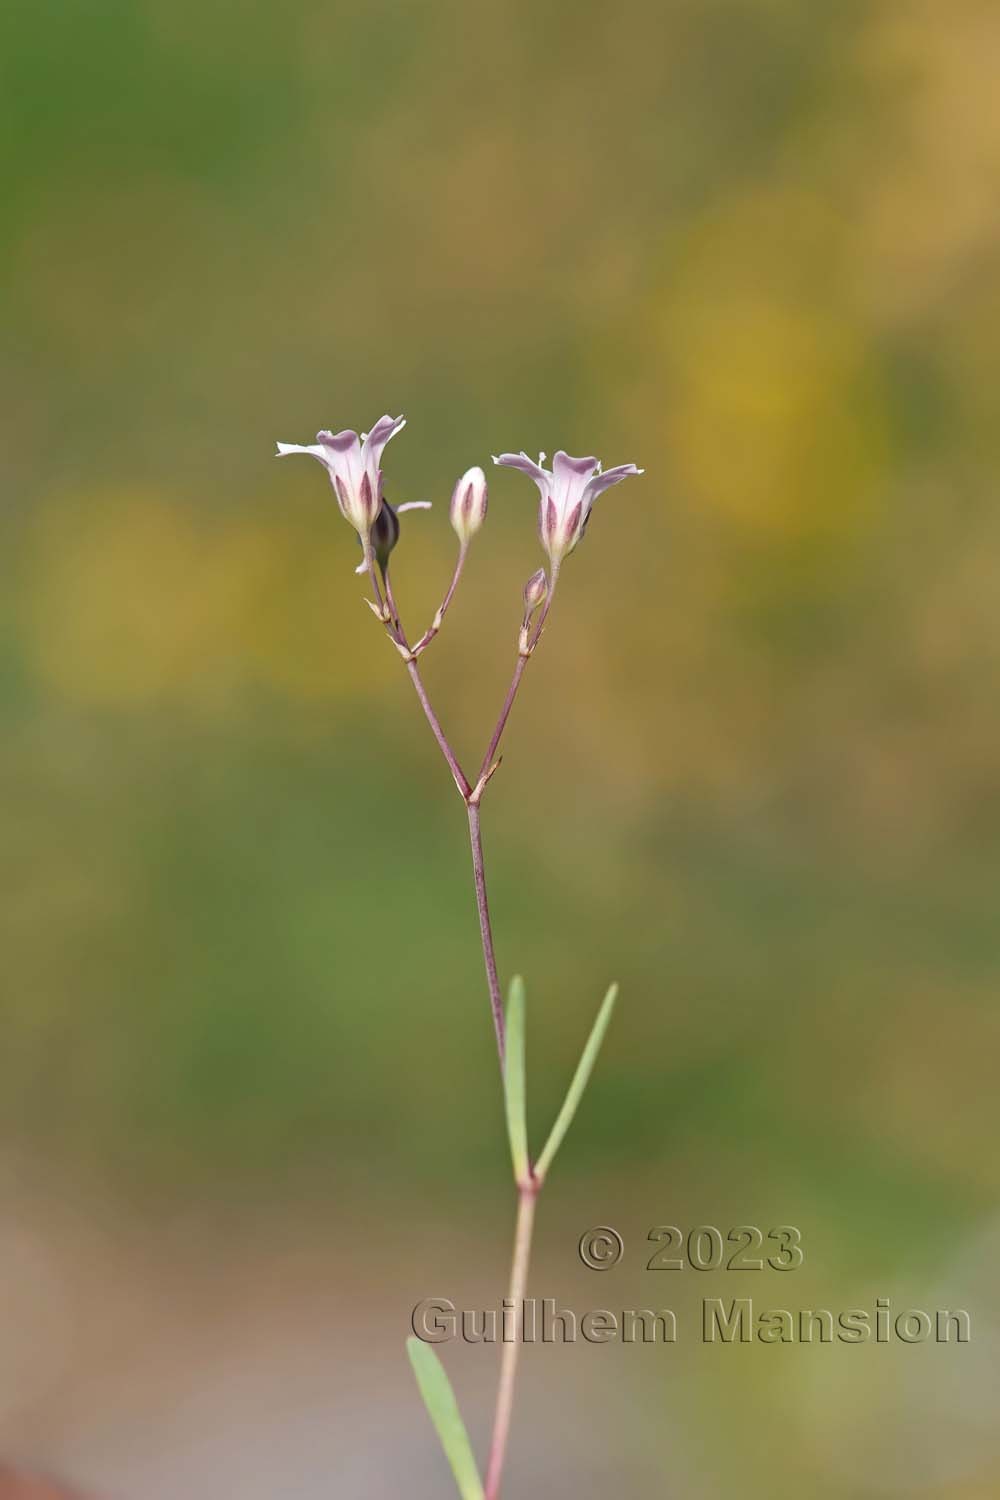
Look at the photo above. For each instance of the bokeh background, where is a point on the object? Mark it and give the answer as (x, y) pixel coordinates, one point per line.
(247, 1094)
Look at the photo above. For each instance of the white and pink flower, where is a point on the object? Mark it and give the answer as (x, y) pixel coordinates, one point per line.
(568, 493)
(354, 467)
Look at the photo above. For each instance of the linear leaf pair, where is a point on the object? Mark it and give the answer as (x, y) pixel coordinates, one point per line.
(435, 1387)
(514, 1083)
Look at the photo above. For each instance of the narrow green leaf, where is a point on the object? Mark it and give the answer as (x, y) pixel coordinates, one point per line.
(580, 1079)
(439, 1398)
(513, 1081)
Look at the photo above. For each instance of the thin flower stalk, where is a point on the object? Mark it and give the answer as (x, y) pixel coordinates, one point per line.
(485, 926)
(525, 652)
(397, 635)
(435, 625)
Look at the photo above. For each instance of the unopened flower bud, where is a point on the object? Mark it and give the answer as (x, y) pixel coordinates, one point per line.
(384, 534)
(468, 505)
(535, 591)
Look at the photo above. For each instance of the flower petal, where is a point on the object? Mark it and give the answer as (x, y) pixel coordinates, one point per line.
(315, 452)
(413, 505)
(569, 479)
(343, 453)
(563, 466)
(340, 442)
(373, 442)
(525, 464)
(602, 482)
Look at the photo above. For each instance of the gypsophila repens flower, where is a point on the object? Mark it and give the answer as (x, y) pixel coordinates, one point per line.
(567, 494)
(354, 467)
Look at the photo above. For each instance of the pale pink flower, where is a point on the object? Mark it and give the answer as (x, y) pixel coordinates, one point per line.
(568, 494)
(354, 467)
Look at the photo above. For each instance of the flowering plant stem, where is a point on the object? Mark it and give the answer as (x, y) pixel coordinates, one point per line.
(527, 1195)
(528, 1181)
(567, 495)
(485, 926)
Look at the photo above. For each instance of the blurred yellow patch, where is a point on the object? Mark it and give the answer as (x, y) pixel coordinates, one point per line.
(774, 412)
(136, 598)
(927, 204)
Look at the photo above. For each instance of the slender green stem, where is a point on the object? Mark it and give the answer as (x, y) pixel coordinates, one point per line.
(527, 1195)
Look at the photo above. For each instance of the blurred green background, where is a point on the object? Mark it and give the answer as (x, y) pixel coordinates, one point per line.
(247, 1091)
